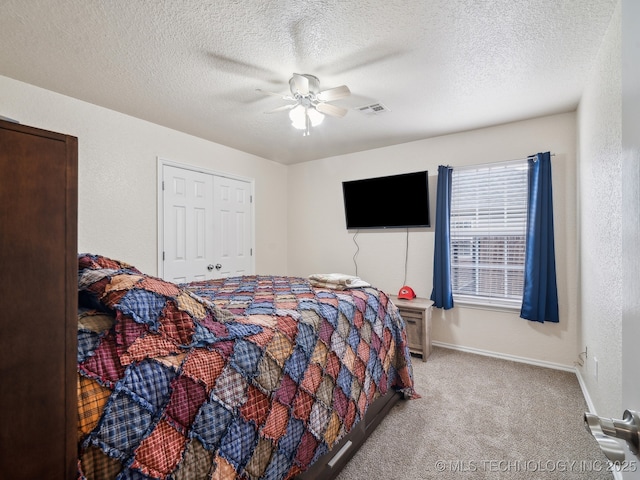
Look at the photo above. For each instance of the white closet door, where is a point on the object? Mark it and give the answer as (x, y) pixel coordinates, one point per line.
(188, 225)
(207, 225)
(232, 227)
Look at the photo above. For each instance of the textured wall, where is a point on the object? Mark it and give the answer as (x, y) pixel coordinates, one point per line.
(600, 187)
(118, 181)
(319, 241)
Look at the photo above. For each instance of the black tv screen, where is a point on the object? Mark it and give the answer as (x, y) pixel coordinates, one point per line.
(396, 201)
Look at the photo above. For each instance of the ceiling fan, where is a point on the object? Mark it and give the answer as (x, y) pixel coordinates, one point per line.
(310, 104)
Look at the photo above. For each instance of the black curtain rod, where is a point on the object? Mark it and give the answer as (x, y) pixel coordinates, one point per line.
(463, 167)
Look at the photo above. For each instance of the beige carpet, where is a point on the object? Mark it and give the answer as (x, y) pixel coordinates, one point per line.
(481, 417)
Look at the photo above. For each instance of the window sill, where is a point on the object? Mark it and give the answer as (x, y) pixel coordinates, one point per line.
(480, 305)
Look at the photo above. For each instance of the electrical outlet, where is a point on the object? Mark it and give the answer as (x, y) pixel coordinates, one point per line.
(595, 368)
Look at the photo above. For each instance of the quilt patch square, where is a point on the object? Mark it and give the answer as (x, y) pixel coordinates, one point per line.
(260, 459)
(288, 444)
(276, 421)
(287, 390)
(104, 365)
(211, 424)
(307, 339)
(312, 378)
(278, 467)
(150, 381)
(257, 406)
(123, 427)
(92, 398)
(230, 388)
(238, 443)
(186, 398)
(159, 453)
(269, 374)
(95, 463)
(176, 325)
(245, 358)
(288, 326)
(302, 405)
(296, 364)
(143, 306)
(205, 366)
(306, 449)
(318, 419)
(280, 348)
(197, 462)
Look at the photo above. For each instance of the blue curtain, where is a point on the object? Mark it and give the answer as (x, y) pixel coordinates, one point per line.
(540, 296)
(441, 294)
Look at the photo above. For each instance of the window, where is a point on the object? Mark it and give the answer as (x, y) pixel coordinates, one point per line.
(488, 233)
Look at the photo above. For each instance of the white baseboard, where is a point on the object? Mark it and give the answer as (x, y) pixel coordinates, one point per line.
(585, 392)
(505, 356)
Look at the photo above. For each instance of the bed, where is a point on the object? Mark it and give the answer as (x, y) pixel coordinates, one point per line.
(255, 377)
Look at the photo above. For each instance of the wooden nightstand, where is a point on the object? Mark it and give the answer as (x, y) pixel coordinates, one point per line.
(416, 314)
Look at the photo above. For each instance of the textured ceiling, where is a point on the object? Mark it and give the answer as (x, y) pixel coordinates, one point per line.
(439, 66)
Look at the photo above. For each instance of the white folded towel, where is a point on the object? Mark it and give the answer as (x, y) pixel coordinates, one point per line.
(337, 281)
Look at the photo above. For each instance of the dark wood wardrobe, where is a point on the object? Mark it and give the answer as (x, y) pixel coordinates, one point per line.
(38, 303)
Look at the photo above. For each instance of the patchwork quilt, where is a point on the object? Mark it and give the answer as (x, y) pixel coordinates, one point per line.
(246, 377)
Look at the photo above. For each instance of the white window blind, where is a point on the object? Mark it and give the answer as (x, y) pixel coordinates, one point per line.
(488, 229)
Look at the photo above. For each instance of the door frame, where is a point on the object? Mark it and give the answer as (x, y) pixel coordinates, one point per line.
(161, 162)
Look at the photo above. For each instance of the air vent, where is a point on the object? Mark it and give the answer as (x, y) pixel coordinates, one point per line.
(373, 109)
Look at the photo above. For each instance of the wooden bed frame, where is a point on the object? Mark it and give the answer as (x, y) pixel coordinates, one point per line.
(330, 464)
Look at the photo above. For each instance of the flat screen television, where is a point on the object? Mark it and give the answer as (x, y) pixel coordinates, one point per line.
(395, 201)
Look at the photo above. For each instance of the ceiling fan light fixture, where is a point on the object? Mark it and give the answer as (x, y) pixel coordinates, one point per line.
(298, 117)
(315, 116)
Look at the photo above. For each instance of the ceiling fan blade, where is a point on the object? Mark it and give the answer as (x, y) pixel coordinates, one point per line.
(302, 84)
(334, 93)
(333, 110)
(283, 108)
(279, 95)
